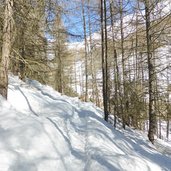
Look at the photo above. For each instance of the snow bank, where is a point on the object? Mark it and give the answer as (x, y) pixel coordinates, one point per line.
(41, 130)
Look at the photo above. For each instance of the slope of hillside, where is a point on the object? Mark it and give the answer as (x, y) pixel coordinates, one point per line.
(41, 130)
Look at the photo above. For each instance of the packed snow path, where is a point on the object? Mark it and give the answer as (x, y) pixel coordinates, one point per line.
(40, 130)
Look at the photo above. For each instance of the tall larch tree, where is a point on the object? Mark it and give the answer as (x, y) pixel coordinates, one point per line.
(151, 74)
(8, 36)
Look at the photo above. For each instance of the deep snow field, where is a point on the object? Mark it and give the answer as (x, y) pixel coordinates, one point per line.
(40, 130)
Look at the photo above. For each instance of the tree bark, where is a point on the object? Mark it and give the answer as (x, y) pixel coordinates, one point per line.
(103, 55)
(124, 98)
(6, 46)
(86, 55)
(152, 117)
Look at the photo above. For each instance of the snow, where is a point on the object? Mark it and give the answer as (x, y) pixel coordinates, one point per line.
(41, 130)
(75, 45)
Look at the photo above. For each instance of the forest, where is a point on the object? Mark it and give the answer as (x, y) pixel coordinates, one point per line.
(114, 53)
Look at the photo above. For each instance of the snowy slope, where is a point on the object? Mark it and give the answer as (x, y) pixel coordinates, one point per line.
(40, 130)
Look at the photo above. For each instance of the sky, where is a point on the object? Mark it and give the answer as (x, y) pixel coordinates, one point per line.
(73, 19)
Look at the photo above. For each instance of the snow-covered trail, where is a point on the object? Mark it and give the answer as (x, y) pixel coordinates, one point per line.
(41, 130)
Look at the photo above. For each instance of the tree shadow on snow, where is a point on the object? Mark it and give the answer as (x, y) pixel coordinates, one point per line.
(136, 144)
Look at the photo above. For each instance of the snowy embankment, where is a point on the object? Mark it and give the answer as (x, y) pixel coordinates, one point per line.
(41, 130)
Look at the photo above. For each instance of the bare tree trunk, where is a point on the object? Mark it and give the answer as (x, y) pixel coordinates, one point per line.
(22, 61)
(103, 61)
(168, 108)
(116, 69)
(167, 127)
(86, 56)
(59, 71)
(123, 105)
(152, 117)
(106, 62)
(6, 46)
